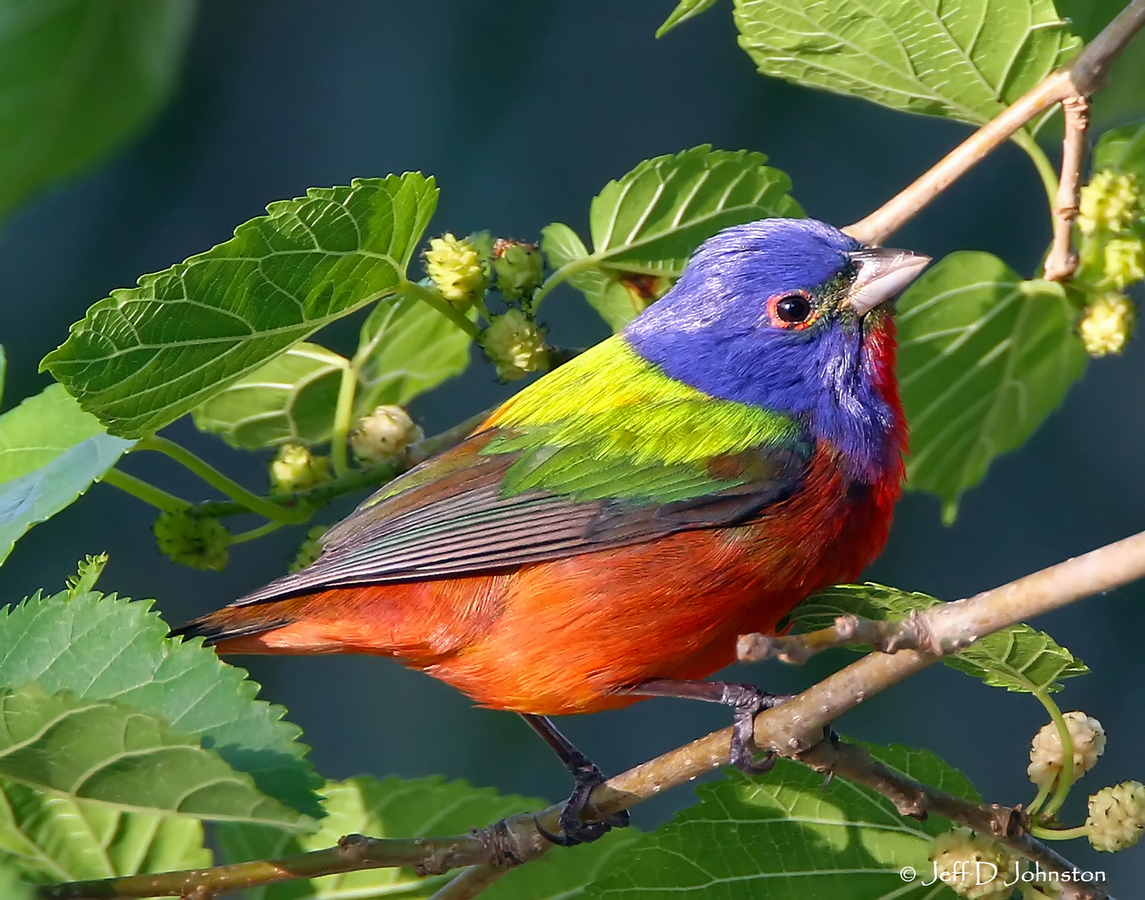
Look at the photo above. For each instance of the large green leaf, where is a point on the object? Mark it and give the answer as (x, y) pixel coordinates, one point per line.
(52, 838)
(1017, 658)
(963, 60)
(50, 452)
(649, 222)
(407, 347)
(103, 648)
(77, 79)
(790, 835)
(984, 357)
(291, 398)
(1123, 150)
(423, 807)
(147, 355)
(113, 754)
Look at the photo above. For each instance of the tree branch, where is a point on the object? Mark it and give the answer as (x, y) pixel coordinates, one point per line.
(1061, 262)
(793, 729)
(1083, 77)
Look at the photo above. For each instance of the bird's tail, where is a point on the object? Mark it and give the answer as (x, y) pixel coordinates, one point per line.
(235, 625)
(367, 619)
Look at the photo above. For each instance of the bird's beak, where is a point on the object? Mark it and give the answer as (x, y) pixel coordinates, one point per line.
(881, 274)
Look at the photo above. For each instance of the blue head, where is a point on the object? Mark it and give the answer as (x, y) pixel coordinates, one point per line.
(789, 315)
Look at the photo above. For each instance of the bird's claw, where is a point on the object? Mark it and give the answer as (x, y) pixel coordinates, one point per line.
(748, 701)
(573, 831)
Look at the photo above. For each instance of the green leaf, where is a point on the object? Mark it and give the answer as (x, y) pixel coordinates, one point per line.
(53, 839)
(685, 9)
(114, 754)
(984, 357)
(3, 371)
(147, 355)
(50, 452)
(407, 348)
(77, 80)
(649, 222)
(13, 886)
(790, 835)
(1123, 150)
(964, 61)
(423, 807)
(104, 648)
(1017, 658)
(290, 399)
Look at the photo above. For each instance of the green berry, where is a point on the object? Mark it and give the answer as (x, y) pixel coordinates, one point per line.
(457, 269)
(295, 468)
(519, 267)
(972, 865)
(192, 540)
(310, 549)
(383, 435)
(1047, 756)
(515, 345)
(1117, 816)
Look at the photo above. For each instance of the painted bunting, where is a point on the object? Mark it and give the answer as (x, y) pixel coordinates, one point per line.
(609, 531)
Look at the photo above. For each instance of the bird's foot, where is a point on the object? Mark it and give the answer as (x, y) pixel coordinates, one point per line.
(573, 829)
(748, 701)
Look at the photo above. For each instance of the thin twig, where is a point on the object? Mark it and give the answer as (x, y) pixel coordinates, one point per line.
(794, 729)
(1061, 262)
(905, 205)
(910, 633)
(1083, 77)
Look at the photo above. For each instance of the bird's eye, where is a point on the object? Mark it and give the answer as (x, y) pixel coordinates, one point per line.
(790, 310)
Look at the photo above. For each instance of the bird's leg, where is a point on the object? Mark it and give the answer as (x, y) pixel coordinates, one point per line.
(587, 776)
(745, 699)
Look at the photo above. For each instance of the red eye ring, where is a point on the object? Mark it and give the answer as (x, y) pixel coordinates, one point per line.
(792, 310)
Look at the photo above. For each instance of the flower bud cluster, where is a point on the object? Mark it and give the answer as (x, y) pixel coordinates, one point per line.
(1110, 202)
(1111, 223)
(458, 268)
(1107, 324)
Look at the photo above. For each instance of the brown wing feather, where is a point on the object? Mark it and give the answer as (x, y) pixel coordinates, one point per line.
(448, 517)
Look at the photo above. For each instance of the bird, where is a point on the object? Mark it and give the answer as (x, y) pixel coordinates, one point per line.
(608, 532)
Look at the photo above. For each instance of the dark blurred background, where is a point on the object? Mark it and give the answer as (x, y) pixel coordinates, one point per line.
(523, 111)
